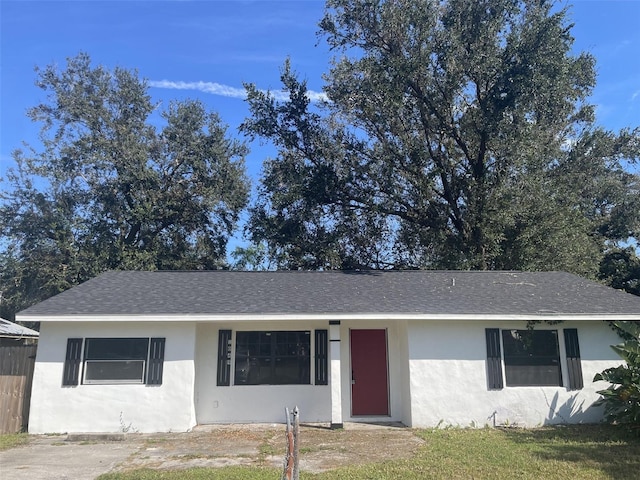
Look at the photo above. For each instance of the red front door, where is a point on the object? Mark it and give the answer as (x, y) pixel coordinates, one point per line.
(369, 382)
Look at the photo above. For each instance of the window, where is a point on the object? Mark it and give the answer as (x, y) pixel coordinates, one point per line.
(272, 358)
(531, 358)
(114, 360)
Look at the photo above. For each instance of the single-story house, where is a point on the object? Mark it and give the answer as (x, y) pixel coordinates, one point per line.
(166, 351)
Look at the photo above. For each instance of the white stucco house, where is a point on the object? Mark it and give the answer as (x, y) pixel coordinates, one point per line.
(165, 351)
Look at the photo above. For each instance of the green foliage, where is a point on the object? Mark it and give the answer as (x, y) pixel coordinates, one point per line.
(622, 399)
(250, 258)
(109, 190)
(620, 268)
(457, 135)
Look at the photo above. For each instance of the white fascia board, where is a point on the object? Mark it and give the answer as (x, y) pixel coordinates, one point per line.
(327, 316)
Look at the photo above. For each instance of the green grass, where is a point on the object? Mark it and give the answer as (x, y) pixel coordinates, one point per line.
(10, 440)
(585, 452)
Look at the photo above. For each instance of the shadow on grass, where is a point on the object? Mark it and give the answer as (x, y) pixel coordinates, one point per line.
(613, 450)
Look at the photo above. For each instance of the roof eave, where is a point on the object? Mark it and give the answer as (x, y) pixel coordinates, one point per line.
(328, 316)
(17, 336)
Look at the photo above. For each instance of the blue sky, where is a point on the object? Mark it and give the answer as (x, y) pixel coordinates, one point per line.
(209, 48)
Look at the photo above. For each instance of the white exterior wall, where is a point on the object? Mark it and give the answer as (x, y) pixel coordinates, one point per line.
(437, 375)
(448, 371)
(335, 374)
(113, 408)
(253, 403)
(266, 403)
(405, 380)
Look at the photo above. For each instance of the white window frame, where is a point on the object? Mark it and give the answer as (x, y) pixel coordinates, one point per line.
(111, 381)
(114, 381)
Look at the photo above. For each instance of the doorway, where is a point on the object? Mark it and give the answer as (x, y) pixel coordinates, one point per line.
(369, 372)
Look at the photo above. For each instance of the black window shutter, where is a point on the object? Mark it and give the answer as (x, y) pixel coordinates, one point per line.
(224, 358)
(322, 358)
(156, 361)
(72, 362)
(574, 366)
(494, 359)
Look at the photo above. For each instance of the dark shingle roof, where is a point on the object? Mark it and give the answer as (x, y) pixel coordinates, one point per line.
(336, 292)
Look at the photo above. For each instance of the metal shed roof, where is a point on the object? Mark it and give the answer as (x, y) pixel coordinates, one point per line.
(13, 330)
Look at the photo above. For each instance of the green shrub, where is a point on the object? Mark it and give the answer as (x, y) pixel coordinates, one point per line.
(622, 399)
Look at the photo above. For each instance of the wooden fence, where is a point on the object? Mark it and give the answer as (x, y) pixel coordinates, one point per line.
(16, 376)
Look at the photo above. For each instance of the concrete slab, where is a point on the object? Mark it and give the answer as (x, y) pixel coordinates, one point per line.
(51, 457)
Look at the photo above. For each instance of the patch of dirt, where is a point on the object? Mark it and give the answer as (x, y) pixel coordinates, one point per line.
(321, 448)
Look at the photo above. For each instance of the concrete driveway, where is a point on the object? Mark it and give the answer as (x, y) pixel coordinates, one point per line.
(52, 457)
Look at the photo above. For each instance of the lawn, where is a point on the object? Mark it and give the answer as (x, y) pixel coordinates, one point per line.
(584, 452)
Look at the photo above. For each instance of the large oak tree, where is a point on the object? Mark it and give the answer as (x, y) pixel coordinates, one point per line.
(116, 184)
(457, 134)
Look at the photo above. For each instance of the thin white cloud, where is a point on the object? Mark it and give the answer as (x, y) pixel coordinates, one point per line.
(635, 95)
(214, 88)
(206, 87)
